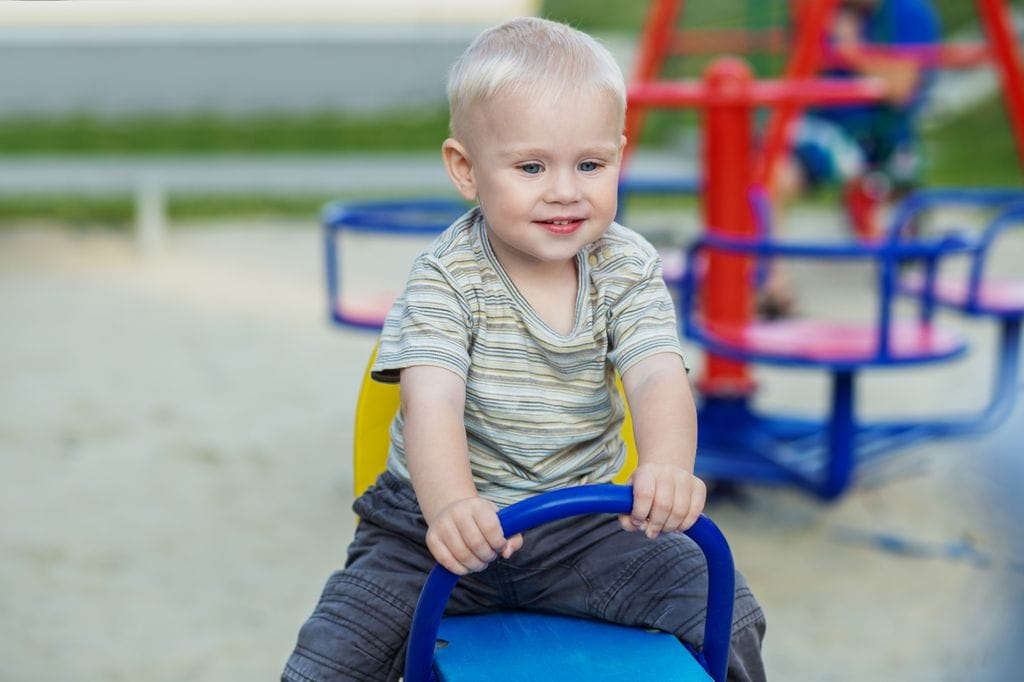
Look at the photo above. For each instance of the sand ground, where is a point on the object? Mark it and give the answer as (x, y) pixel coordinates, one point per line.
(174, 450)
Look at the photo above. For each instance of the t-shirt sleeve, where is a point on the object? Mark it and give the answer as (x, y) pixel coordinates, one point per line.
(642, 321)
(429, 324)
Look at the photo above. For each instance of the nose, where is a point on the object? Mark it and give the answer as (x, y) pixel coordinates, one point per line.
(563, 187)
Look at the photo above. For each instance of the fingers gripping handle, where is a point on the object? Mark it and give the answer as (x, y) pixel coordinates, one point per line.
(560, 504)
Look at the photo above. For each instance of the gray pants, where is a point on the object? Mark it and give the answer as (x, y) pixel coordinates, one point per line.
(584, 566)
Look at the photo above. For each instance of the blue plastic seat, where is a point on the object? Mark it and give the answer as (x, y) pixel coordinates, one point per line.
(528, 647)
(472, 648)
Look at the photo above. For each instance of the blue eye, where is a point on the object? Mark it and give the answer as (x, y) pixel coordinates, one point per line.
(531, 168)
(589, 166)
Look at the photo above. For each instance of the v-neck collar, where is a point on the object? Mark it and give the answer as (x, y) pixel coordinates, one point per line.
(535, 320)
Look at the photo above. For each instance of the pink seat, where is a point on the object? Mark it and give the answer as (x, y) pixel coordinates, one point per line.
(673, 265)
(366, 311)
(999, 297)
(839, 343)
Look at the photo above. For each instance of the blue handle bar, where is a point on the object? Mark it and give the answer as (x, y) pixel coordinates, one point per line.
(603, 498)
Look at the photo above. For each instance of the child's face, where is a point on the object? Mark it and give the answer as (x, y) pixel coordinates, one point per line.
(544, 172)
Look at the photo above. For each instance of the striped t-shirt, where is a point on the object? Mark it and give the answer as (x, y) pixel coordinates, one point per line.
(542, 409)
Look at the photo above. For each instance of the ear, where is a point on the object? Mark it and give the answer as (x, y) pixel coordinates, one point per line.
(460, 168)
(622, 145)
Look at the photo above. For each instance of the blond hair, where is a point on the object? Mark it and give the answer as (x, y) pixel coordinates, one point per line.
(531, 55)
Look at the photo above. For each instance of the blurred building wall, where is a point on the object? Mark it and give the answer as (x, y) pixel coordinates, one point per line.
(233, 56)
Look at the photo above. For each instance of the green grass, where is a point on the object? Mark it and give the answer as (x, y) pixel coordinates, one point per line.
(69, 211)
(976, 148)
(597, 16)
(118, 212)
(320, 133)
(627, 16)
(603, 16)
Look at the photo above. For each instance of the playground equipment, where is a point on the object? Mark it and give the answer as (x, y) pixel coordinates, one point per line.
(529, 646)
(417, 218)
(976, 294)
(808, 51)
(819, 455)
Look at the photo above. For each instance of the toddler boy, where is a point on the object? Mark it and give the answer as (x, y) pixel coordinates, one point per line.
(506, 341)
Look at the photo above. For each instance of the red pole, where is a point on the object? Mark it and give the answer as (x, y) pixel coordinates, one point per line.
(726, 296)
(998, 28)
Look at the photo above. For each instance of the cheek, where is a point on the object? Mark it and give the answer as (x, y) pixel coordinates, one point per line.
(607, 195)
(508, 195)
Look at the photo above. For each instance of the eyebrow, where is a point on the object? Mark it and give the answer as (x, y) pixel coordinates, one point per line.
(529, 152)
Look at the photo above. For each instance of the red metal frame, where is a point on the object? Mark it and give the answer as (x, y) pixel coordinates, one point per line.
(728, 128)
(728, 95)
(661, 39)
(717, 41)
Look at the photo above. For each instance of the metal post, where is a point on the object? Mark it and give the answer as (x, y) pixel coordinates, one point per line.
(726, 296)
(839, 461)
(150, 217)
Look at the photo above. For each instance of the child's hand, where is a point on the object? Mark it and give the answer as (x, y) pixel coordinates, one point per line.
(466, 535)
(666, 498)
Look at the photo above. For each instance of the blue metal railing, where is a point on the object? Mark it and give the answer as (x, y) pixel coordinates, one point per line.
(407, 218)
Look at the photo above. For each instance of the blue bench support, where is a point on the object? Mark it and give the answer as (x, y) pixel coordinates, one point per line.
(590, 499)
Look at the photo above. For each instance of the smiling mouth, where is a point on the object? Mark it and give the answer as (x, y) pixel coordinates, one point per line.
(562, 226)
